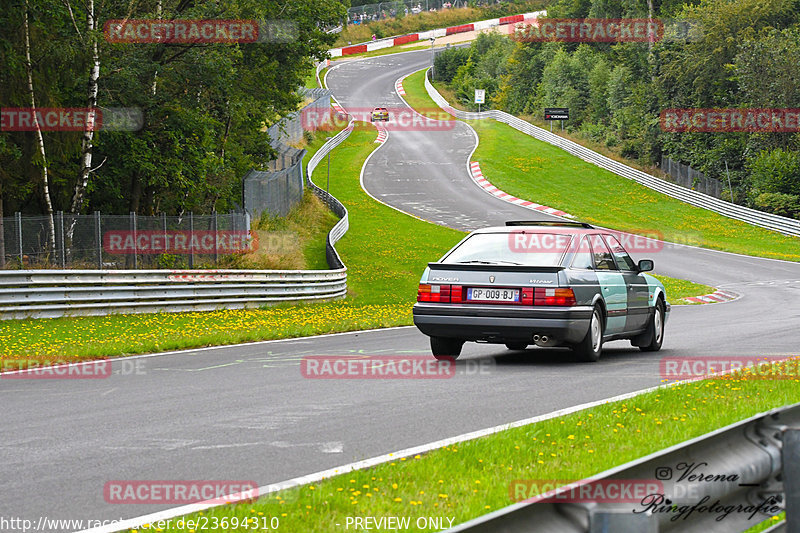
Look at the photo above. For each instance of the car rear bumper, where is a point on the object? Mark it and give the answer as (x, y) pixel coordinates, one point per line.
(502, 324)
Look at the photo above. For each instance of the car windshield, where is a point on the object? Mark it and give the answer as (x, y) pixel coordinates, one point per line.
(513, 248)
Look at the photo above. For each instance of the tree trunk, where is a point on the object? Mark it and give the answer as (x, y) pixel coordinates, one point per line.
(136, 193)
(88, 133)
(51, 238)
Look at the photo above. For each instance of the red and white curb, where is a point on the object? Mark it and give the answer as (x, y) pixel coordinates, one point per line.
(441, 32)
(382, 135)
(339, 109)
(477, 177)
(398, 86)
(714, 297)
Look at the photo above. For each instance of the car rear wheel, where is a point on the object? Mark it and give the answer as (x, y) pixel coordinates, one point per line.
(655, 329)
(516, 345)
(588, 350)
(443, 347)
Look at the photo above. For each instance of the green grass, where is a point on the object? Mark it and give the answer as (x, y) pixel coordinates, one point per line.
(311, 80)
(679, 289)
(466, 480)
(417, 97)
(543, 173)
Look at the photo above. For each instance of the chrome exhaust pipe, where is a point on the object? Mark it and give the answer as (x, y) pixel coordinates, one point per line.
(536, 338)
(544, 338)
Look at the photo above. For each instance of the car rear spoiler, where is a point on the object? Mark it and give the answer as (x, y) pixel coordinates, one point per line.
(499, 266)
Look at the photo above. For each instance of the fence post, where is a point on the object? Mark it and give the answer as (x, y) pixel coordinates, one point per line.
(164, 224)
(63, 243)
(18, 216)
(99, 237)
(729, 181)
(191, 237)
(133, 230)
(216, 238)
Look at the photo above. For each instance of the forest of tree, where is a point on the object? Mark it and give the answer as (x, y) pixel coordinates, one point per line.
(204, 105)
(727, 54)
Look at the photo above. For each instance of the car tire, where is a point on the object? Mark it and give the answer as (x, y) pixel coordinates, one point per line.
(516, 346)
(590, 348)
(655, 329)
(444, 347)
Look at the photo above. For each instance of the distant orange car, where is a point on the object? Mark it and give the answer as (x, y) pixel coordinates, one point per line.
(380, 113)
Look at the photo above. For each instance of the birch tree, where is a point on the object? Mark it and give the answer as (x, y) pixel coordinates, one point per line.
(51, 238)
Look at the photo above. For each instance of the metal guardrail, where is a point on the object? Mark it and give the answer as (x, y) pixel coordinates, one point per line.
(758, 460)
(341, 227)
(54, 293)
(787, 226)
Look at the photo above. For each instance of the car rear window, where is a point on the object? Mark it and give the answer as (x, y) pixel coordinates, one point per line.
(517, 247)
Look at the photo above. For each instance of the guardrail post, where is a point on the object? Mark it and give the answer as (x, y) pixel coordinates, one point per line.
(791, 477)
(99, 237)
(18, 216)
(191, 236)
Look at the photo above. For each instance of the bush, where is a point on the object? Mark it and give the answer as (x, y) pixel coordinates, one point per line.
(776, 171)
(787, 205)
(446, 63)
(595, 132)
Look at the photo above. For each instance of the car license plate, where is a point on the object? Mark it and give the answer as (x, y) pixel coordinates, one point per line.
(486, 294)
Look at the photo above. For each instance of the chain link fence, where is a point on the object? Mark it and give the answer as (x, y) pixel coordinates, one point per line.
(131, 241)
(280, 188)
(690, 178)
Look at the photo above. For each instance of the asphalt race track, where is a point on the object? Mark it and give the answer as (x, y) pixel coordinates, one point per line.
(247, 413)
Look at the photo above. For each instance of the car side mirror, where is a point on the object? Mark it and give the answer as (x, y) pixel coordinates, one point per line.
(645, 265)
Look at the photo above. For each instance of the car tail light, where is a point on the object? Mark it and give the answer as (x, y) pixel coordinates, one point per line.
(527, 296)
(438, 293)
(456, 294)
(544, 296)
